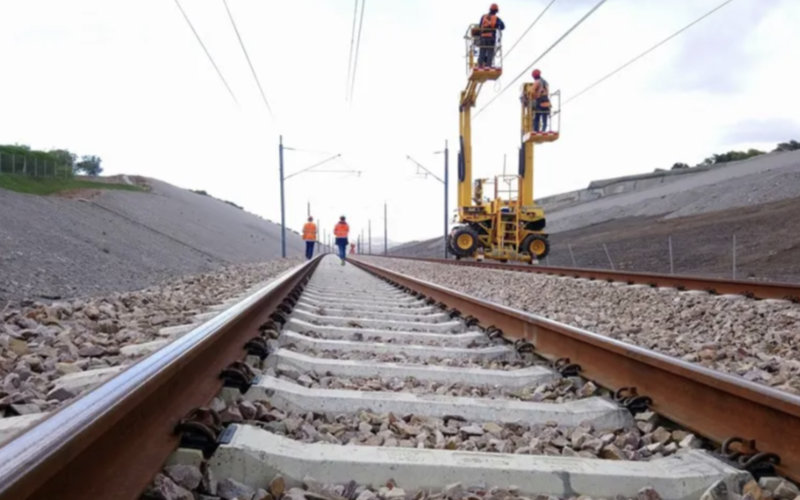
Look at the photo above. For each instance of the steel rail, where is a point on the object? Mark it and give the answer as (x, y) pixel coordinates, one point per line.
(751, 289)
(710, 403)
(112, 441)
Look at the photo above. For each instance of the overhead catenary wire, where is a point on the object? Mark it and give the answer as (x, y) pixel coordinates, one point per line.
(305, 150)
(208, 54)
(350, 55)
(358, 47)
(247, 56)
(547, 51)
(530, 27)
(326, 160)
(651, 49)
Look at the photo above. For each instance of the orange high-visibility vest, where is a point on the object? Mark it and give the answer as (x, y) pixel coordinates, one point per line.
(310, 231)
(488, 25)
(341, 230)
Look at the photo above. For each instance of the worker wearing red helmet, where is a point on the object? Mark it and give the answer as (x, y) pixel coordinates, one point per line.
(539, 97)
(489, 26)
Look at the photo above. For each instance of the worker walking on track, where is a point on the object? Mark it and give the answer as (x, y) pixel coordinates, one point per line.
(340, 231)
(310, 237)
(489, 25)
(539, 98)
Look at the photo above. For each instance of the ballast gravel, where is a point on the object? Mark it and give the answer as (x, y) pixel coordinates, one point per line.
(558, 391)
(758, 340)
(493, 364)
(360, 337)
(164, 487)
(40, 342)
(645, 441)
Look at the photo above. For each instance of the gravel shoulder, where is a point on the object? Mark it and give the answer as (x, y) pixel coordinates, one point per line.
(42, 342)
(758, 340)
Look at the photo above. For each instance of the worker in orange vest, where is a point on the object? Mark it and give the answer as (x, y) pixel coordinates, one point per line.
(489, 26)
(310, 237)
(539, 98)
(340, 231)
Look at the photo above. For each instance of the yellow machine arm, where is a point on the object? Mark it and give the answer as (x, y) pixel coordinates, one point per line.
(477, 76)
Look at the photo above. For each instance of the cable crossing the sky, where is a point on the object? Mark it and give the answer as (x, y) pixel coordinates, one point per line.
(208, 54)
(651, 49)
(350, 55)
(247, 56)
(524, 33)
(355, 56)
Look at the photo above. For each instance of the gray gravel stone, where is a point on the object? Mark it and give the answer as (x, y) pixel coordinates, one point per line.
(188, 476)
(41, 341)
(231, 489)
(753, 339)
(164, 488)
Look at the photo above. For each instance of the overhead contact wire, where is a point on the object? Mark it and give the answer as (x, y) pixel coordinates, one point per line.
(247, 56)
(350, 56)
(651, 49)
(524, 33)
(551, 47)
(358, 47)
(208, 54)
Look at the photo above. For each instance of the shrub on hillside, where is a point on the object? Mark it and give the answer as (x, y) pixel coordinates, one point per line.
(732, 156)
(788, 146)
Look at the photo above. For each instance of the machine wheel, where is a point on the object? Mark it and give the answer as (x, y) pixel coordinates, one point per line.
(536, 245)
(463, 241)
(450, 248)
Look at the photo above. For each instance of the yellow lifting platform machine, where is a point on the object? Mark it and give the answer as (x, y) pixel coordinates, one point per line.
(511, 225)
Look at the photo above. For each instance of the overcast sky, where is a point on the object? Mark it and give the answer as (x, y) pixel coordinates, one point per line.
(128, 81)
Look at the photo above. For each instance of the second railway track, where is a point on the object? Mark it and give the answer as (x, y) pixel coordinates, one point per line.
(403, 386)
(749, 288)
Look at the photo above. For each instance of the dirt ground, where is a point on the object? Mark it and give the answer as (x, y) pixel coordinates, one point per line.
(767, 243)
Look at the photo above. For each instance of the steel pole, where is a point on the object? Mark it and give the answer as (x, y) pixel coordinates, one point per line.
(446, 187)
(283, 206)
(385, 232)
(369, 237)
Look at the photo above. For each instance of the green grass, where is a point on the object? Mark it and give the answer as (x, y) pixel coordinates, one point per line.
(49, 185)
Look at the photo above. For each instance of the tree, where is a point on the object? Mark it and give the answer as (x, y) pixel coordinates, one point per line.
(732, 156)
(788, 146)
(64, 161)
(63, 157)
(679, 165)
(90, 165)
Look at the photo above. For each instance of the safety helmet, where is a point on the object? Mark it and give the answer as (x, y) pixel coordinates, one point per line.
(536, 73)
(494, 8)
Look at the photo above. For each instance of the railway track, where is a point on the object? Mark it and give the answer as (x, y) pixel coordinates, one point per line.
(747, 288)
(402, 386)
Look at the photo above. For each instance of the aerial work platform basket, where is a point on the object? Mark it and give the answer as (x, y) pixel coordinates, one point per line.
(529, 112)
(474, 44)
